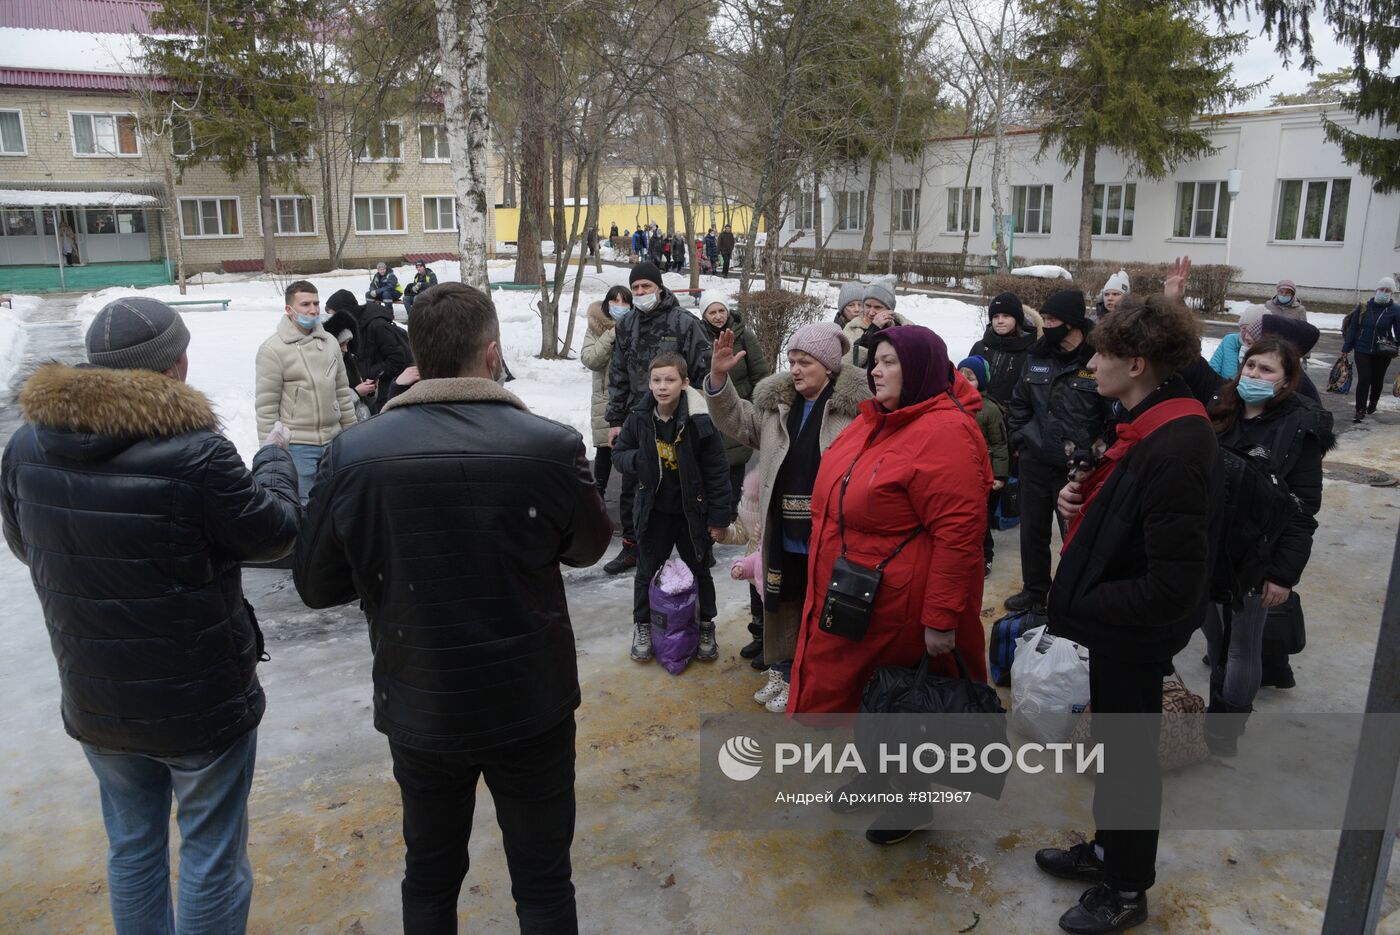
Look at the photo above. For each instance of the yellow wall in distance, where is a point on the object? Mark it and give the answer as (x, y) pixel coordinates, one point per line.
(628, 217)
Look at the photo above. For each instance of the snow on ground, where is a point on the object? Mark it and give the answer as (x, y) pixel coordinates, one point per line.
(12, 334)
(1323, 321)
(1043, 271)
(224, 344)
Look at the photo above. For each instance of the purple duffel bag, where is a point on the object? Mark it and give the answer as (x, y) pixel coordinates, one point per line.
(675, 632)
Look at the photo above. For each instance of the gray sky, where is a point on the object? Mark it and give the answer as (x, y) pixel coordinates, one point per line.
(1260, 62)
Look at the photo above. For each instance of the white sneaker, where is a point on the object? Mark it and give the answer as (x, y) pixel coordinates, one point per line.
(770, 691)
(778, 703)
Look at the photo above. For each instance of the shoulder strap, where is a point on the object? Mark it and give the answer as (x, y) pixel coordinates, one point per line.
(841, 518)
(1169, 411)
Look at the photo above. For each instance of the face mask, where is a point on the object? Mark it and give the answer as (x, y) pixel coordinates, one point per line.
(1056, 334)
(617, 311)
(1283, 299)
(308, 322)
(645, 303)
(1382, 297)
(1254, 390)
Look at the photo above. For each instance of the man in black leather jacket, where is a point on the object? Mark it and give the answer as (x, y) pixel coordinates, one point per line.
(448, 516)
(134, 515)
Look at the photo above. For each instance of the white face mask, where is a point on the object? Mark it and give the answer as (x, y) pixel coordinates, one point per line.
(1382, 297)
(645, 303)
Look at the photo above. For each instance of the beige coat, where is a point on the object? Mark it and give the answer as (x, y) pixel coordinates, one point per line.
(301, 381)
(762, 424)
(596, 355)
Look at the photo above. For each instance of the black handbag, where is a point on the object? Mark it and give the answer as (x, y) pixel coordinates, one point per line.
(850, 595)
(1284, 632)
(900, 690)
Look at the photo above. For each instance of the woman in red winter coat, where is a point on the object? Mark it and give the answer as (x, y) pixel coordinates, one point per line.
(918, 467)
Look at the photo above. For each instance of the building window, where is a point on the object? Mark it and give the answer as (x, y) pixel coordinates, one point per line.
(432, 141)
(850, 211)
(295, 216)
(209, 217)
(381, 144)
(182, 138)
(906, 209)
(440, 214)
(19, 222)
(379, 214)
(804, 211)
(1312, 209)
(656, 185)
(114, 221)
(293, 142)
(11, 133)
(1113, 209)
(636, 186)
(964, 210)
(1031, 206)
(1202, 210)
(105, 135)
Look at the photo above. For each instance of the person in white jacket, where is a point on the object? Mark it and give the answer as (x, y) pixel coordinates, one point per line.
(301, 382)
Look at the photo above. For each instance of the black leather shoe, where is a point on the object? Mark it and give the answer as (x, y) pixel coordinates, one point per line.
(1103, 911)
(758, 664)
(1075, 863)
(755, 648)
(1025, 600)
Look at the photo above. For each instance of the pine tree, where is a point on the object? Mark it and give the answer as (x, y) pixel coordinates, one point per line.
(1129, 76)
(1326, 88)
(242, 92)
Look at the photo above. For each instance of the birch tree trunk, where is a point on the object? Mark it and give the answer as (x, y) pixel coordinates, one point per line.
(464, 29)
(266, 213)
(868, 238)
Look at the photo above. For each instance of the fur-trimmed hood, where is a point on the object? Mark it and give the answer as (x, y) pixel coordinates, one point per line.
(455, 390)
(125, 404)
(850, 391)
(598, 320)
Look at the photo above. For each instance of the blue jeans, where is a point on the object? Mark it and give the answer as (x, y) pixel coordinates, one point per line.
(1243, 658)
(216, 878)
(306, 458)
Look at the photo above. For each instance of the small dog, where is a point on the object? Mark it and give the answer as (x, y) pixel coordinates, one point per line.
(1082, 461)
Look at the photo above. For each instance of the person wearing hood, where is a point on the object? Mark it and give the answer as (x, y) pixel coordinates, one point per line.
(1056, 402)
(795, 415)
(344, 327)
(134, 514)
(300, 381)
(596, 355)
(1113, 290)
(656, 325)
(850, 303)
(383, 285)
(905, 485)
(877, 314)
(1303, 336)
(1003, 346)
(1372, 330)
(1285, 302)
(1231, 350)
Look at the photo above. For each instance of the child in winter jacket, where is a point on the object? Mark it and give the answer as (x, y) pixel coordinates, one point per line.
(683, 497)
(993, 425)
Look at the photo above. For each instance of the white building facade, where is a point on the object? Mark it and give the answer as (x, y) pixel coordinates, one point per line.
(1301, 212)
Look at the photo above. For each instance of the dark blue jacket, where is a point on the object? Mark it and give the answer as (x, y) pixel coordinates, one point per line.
(1368, 322)
(711, 246)
(383, 288)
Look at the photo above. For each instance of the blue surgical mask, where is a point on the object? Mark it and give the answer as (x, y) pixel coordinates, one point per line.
(1283, 299)
(1382, 297)
(617, 311)
(308, 322)
(1254, 390)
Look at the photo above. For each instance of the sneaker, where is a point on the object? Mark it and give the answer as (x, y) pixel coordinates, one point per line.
(625, 560)
(899, 822)
(1102, 910)
(1075, 863)
(708, 649)
(641, 642)
(986, 569)
(769, 691)
(1026, 600)
(778, 703)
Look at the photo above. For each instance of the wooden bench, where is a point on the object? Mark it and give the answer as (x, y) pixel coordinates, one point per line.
(515, 287)
(222, 303)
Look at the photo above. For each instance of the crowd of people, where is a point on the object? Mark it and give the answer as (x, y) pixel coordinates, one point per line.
(410, 480)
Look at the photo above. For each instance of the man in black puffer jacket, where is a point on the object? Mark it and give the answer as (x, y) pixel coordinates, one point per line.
(382, 350)
(134, 515)
(448, 515)
(1055, 401)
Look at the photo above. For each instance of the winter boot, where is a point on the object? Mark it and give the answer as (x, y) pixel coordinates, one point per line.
(770, 691)
(625, 560)
(1026, 600)
(641, 642)
(708, 649)
(755, 647)
(1278, 672)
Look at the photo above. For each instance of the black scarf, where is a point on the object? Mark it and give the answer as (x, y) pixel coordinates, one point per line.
(790, 511)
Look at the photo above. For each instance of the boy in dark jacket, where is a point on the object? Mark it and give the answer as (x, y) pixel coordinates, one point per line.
(683, 500)
(1133, 582)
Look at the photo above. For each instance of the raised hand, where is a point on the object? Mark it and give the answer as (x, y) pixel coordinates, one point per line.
(1175, 287)
(723, 359)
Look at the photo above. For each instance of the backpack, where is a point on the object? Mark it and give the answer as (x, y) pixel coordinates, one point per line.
(1258, 507)
(1001, 646)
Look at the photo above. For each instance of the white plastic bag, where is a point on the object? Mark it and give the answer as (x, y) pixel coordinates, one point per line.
(1049, 686)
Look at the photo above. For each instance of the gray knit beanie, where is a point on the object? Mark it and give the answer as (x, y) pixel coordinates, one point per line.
(137, 333)
(850, 292)
(824, 341)
(882, 291)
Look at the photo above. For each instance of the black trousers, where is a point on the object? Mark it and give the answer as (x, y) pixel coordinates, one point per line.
(532, 784)
(626, 499)
(602, 468)
(1040, 489)
(1130, 856)
(724, 258)
(1370, 378)
(667, 531)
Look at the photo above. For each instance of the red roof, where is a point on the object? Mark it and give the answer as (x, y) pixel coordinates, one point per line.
(73, 80)
(123, 16)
